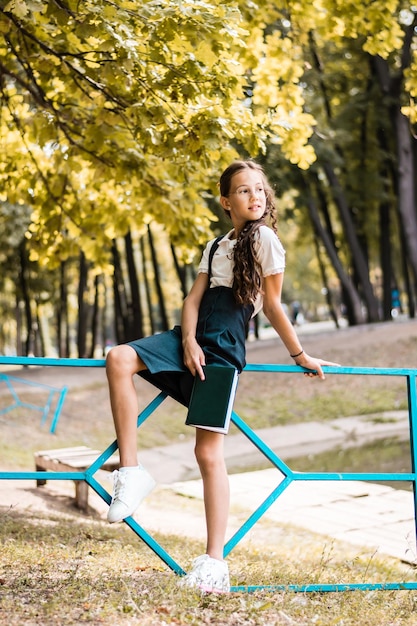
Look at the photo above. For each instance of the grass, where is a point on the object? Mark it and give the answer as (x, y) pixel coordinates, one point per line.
(323, 405)
(57, 570)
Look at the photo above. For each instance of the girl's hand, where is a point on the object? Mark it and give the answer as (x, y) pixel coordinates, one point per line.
(311, 363)
(194, 357)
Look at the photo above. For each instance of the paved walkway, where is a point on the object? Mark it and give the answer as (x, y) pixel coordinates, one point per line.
(374, 516)
(176, 461)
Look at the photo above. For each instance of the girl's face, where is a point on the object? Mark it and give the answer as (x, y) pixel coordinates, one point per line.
(246, 201)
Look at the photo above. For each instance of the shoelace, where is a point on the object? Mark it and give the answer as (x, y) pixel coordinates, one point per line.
(119, 481)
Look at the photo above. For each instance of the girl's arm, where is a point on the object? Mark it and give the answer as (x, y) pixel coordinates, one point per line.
(194, 357)
(275, 313)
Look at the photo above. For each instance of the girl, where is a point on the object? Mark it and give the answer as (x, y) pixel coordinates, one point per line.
(238, 275)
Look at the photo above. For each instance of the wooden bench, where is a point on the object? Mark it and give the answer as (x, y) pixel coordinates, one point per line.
(68, 460)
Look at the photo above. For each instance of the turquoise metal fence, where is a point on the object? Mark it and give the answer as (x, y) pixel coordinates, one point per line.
(410, 375)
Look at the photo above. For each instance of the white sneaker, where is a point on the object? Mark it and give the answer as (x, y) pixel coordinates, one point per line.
(208, 574)
(130, 486)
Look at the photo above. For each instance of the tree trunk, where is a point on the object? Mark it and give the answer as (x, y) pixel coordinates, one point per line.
(39, 338)
(82, 308)
(19, 341)
(406, 190)
(391, 86)
(24, 289)
(358, 258)
(385, 260)
(328, 293)
(181, 272)
(345, 280)
(360, 264)
(389, 175)
(62, 314)
(95, 318)
(120, 304)
(406, 274)
(147, 287)
(136, 325)
(158, 286)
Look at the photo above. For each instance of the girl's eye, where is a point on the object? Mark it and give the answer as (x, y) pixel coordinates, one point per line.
(246, 191)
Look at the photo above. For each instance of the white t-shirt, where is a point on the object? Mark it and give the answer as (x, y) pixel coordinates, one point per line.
(270, 255)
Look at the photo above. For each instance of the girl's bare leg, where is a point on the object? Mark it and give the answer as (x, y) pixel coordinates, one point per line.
(210, 457)
(121, 365)
(132, 482)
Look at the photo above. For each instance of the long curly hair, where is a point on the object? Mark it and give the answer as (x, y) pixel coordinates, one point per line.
(246, 269)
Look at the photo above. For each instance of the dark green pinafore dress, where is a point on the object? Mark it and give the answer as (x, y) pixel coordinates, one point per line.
(221, 333)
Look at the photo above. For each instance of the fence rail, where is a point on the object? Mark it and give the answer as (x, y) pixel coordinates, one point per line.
(289, 475)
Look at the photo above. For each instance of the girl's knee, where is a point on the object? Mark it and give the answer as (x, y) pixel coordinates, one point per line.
(200, 453)
(121, 359)
(207, 456)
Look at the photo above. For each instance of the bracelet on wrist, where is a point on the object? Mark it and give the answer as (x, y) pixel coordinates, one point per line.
(294, 356)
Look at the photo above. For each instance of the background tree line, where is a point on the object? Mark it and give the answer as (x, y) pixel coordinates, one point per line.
(116, 120)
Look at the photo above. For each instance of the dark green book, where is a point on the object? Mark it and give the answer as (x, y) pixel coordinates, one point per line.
(212, 399)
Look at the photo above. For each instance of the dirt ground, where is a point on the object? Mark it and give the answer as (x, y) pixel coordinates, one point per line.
(86, 417)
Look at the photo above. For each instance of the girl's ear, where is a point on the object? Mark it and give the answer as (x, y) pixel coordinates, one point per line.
(225, 203)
